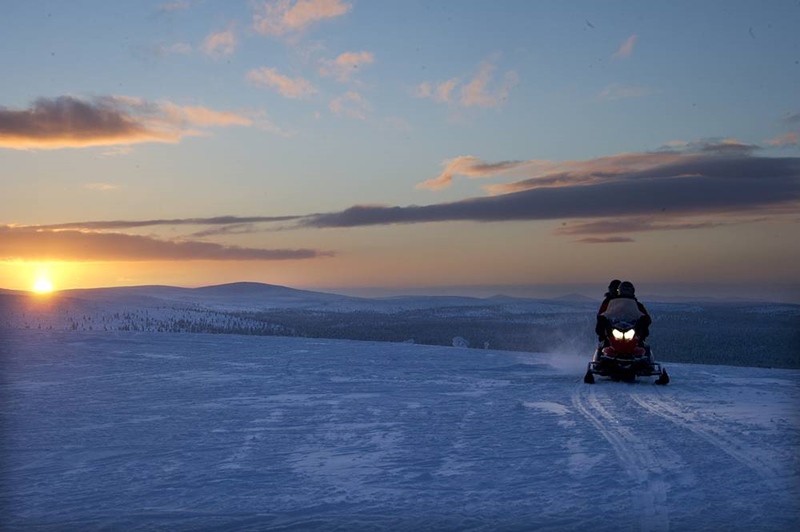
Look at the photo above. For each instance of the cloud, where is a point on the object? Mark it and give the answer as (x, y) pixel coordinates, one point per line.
(788, 139)
(477, 93)
(468, 166)
(441, 92)
(480, 91)
(602, 198)
(71, 122)
(633, 224)
(719, 146)
(544, 173)
(202, 116)
(282, 17)
(220, 44)
(350, 105)
(234, 229)
(626, 48)
(792, 119)
(343, 67)
(642, 185)
(288, 87)
(135, 224)
(605, 240)
(36, 244)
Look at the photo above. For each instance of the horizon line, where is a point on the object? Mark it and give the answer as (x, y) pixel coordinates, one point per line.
(774, 292)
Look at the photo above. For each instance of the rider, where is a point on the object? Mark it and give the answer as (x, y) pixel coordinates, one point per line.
(628, 291)
(613, 292)
(624, 294)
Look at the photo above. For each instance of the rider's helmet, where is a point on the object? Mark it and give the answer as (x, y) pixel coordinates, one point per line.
(613, 287)
(626, 289)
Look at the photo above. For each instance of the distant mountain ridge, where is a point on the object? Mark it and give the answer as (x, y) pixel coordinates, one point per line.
(254, 291)
(249, 292)
(680, 330)
(248, 288)
(254, 296)
(575, 298)
(230, 295)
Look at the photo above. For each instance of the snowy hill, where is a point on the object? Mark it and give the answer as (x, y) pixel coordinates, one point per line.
(228, 296)
(148, 431)
(699, 332)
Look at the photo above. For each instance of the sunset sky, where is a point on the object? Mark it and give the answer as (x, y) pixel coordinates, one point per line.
(407, 145)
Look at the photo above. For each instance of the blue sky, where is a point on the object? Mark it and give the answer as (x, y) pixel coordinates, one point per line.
(408, 145)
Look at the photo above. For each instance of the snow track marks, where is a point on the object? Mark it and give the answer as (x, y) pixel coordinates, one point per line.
(724, 440)
(639, 461)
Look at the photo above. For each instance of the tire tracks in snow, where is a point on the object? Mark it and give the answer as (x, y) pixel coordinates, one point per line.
(649, 491)
(720, 438)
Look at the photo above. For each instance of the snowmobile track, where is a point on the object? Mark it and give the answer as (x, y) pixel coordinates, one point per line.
(649, 491)
(723, 440)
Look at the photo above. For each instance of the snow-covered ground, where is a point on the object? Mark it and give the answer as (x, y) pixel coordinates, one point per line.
(147, 431)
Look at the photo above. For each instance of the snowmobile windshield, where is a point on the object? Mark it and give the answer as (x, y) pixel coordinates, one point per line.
(623, 311)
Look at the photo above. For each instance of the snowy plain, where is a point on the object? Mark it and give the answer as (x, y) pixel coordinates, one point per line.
(154, 431)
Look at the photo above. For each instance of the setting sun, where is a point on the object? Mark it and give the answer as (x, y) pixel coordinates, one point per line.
(42, 286)
(43, 283)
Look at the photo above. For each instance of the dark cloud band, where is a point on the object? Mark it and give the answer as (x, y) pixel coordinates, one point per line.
(71, 122)
(671, 195)
(27, 244)
(699, 186)
(133, 224)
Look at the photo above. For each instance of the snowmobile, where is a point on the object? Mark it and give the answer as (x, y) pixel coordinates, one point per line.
(623, 356)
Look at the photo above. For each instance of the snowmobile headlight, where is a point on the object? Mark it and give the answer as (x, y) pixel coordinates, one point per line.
(619, 335)
(629, 334)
